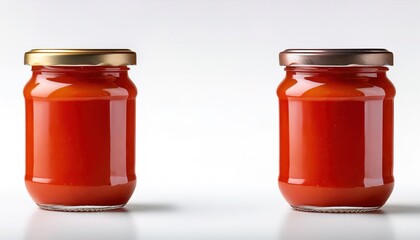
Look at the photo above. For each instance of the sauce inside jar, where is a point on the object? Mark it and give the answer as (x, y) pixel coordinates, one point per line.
(80, 137)
(336, 137)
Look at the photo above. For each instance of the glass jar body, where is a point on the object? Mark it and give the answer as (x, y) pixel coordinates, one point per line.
(336, 138)
(80, 137)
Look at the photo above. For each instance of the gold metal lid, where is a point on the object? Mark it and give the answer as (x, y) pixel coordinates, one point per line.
(80, 57)
(336, 57)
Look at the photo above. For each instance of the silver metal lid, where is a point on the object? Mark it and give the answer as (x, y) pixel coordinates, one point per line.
(336, 57)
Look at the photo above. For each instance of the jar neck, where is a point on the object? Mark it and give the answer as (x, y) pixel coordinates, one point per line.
(367, 71)
(79, 69)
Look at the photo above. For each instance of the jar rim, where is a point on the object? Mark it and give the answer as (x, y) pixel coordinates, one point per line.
(80, 57)
(337, 57)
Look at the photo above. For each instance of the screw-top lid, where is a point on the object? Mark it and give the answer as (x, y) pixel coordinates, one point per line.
(336, 57)
(80, 57)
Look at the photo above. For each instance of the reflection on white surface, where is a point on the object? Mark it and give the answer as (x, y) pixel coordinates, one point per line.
(399, 209)
(314, 226)
(97, 225)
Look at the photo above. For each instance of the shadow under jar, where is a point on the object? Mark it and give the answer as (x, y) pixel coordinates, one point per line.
(336, 129)
(80, 129)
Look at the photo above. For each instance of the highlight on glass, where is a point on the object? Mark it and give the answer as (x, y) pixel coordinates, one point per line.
(80, 128)
(336, 129)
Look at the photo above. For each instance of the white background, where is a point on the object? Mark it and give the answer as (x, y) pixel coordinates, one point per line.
(207, 122)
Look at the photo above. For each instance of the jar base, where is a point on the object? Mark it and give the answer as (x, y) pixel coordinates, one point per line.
(81, 208)
(335, 199)
(341, 209)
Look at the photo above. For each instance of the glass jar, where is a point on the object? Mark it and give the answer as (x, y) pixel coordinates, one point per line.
(80, 128)
(336, 129)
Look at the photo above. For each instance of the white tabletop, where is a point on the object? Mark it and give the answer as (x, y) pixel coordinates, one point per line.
(233, 214)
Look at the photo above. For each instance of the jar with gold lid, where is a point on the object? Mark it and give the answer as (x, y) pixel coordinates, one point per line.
(80, 128)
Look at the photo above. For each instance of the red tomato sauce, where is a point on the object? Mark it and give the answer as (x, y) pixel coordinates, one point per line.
(80, 138)
(336, 136)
